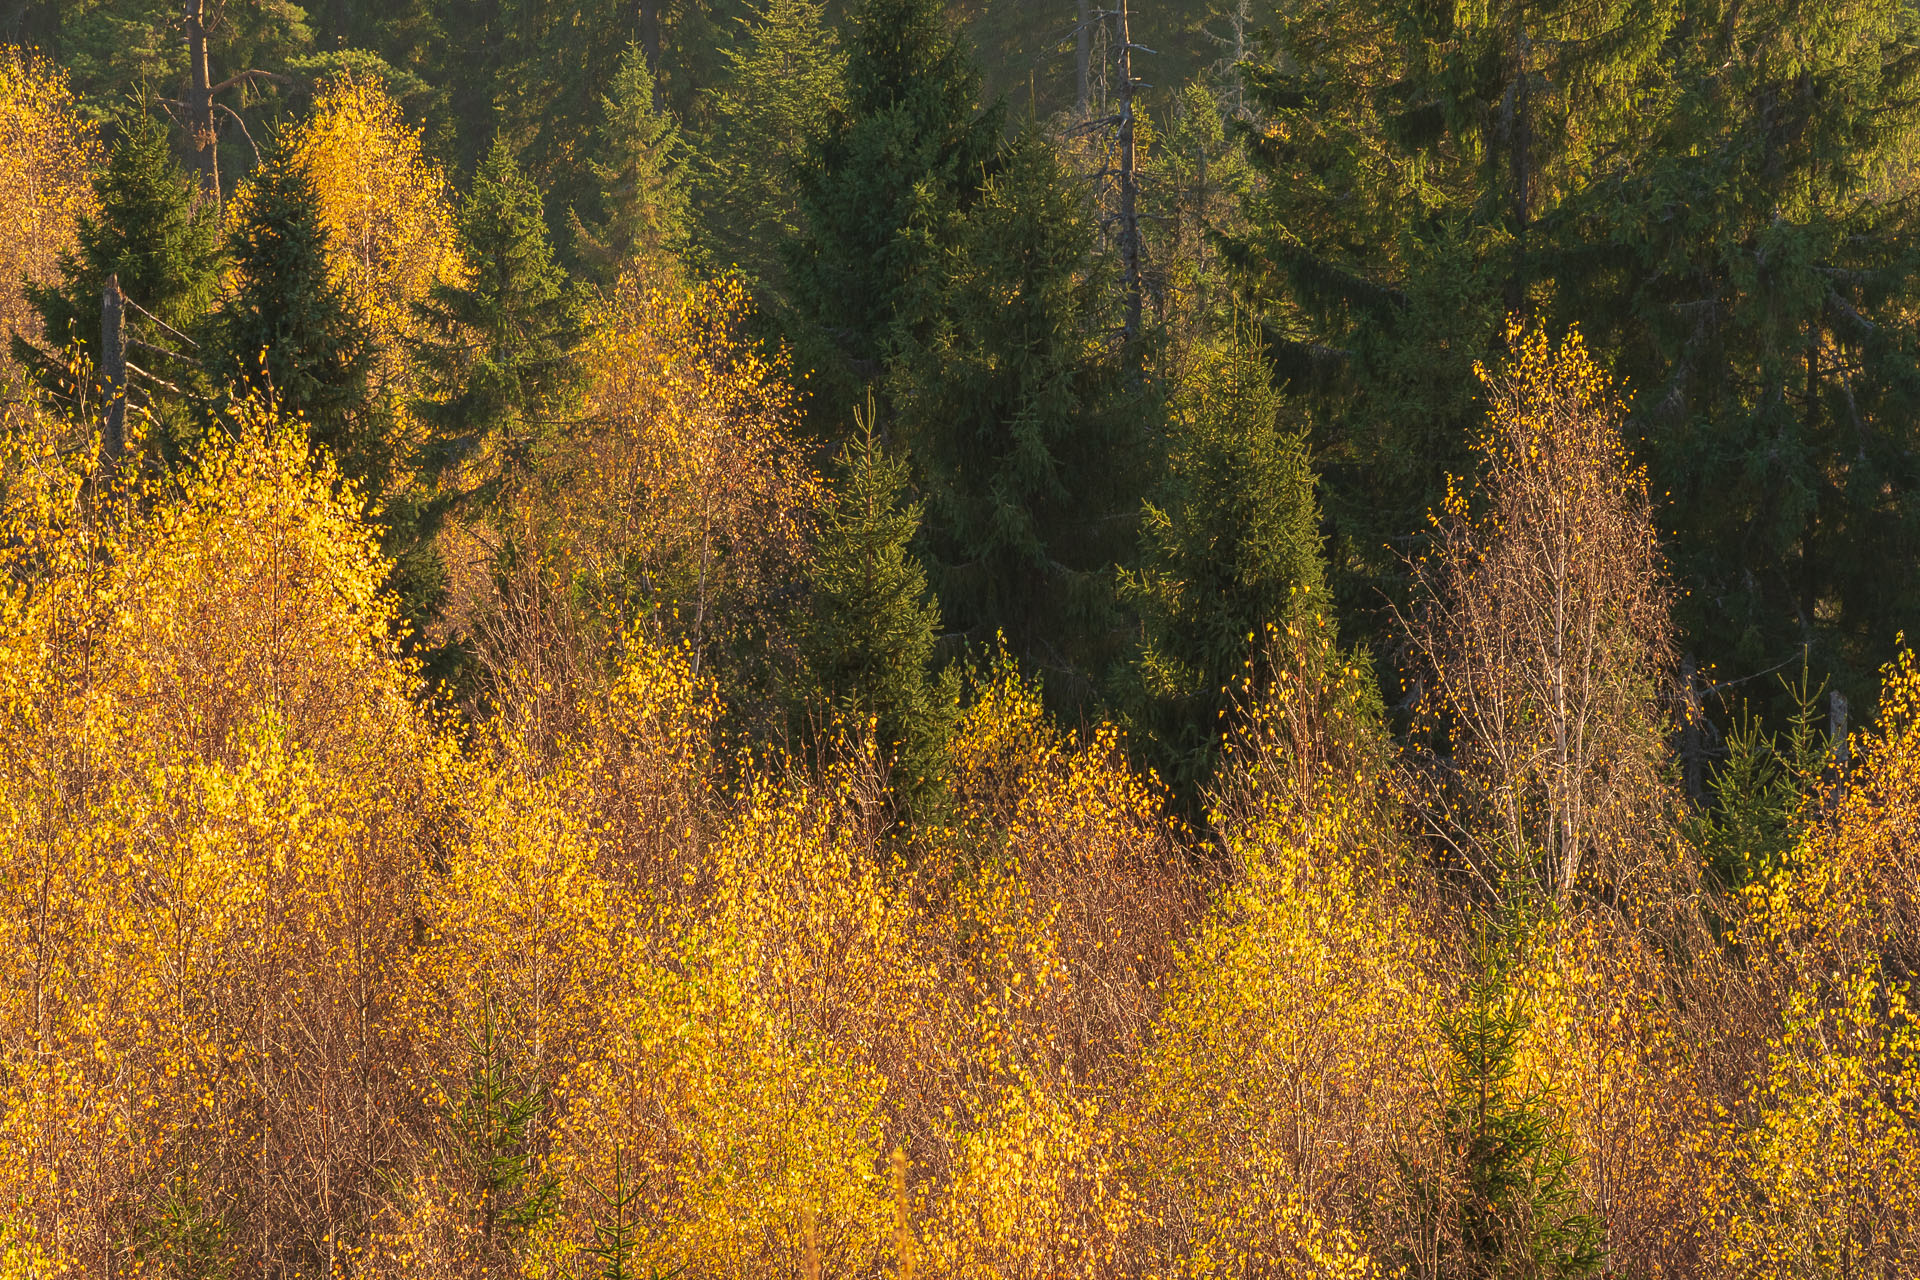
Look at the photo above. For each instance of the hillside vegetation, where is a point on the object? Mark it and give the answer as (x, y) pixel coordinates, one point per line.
(686, 640)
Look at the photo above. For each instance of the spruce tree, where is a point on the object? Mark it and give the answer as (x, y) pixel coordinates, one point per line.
(501, 359)
(1755, 267)
(148, 233)
(1230, 548)
(1407, 158)
(494, 1122)
(1508, 1208)
(785, 86)
(912, 141)
(639, 218)
(1714, 198)
(288, 331)
(870, 625)
(1017, 419)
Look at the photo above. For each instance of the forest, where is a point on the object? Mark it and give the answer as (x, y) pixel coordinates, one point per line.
(959, 638)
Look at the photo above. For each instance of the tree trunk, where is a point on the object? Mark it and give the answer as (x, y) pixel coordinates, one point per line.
(203, 140)
(650, 47)
(113, 372)
(1128, 176)
(1693, 752)
(1083, 60)
(1520, 157)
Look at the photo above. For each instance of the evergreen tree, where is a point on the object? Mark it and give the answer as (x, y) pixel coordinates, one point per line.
(1755, 264)
(1016, 417)
(493, 1122)
(869, 631)
(1716, 199)
(1407, 155)
(148, 233)
(785, 85)
(288, 331)
(1762, 794)
(641, 219)
(1509, 1208)
(502, 356)
(543, 70)
(911, 143)
(1196, 180)
(1230, 548)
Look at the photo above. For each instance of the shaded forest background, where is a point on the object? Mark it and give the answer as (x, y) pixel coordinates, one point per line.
(893, 638)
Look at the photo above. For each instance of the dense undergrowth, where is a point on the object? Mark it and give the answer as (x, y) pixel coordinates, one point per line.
(303, 979)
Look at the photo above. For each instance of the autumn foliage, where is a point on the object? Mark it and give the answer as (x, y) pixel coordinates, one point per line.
(385, 207)
(48, 153)
(308, 969)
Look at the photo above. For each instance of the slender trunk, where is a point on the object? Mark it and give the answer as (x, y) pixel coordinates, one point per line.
(202, 138)
(650, 47)
(1837, 730)
(1519, 159)
(1083, 59)
(1693, 754)
(1129, 178)
(113, 372)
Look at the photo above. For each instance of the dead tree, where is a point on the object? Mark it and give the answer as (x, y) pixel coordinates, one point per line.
(200, 106)
(113, 373)
(1128, 173)
(1121, 167)
(1083, 59)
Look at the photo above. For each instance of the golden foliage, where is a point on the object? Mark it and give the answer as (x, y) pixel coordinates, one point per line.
(1823, 1178)
(689, 501)
(48, 154)
(215, 772)
(390, 228)
(1297, 1051)
(1606, 1034)
(1544, 638)
(1819, 1146)
(680, 503)
(295, 980)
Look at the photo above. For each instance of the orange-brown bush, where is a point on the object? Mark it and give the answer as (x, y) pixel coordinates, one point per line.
(218, 783)
(679, 504)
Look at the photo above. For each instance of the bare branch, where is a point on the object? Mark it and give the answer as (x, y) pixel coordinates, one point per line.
(243, 129)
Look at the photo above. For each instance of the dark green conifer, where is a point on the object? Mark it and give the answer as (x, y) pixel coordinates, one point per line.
(1501, 1203)
(1016, 418)
(1230, 547)
(148, 233)
(1762, 795)
(870, 627)
(494, 1122)
(639, 218)
(1513, 1201)
(1715, 201)
(289, 332)
(1754, 265)
(501, 360)
(1408, 156)
(786, 85)
(912, 140)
